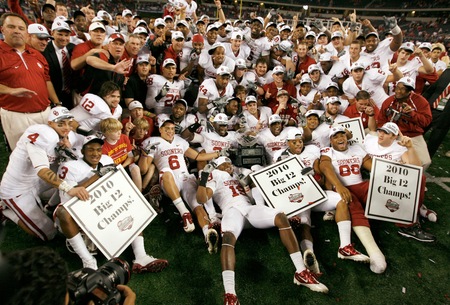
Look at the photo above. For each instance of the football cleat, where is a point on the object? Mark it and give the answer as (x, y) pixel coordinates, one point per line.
(149, 264)
(417, 233)
(428, 214)
(349, 252)
(231, 299)
(310, 261)
(295, 222)
(212, 240)
(308, 279)
(92, 263)
(188, 224)
(328, 216)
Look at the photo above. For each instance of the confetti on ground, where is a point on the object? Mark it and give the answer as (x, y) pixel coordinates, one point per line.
(327, 240)
(432, 261)
(403, 290)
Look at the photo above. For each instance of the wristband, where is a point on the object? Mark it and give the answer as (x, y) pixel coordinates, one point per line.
(64, 186)
(396, 30)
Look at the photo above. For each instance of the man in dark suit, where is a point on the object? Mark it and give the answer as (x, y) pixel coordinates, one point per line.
(58, 53)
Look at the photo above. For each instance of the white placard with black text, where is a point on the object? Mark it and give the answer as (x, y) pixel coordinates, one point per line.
(356, 128)
(394, 191)
(285, 188)
(115, 214)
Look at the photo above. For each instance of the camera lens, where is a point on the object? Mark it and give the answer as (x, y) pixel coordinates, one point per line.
(117, 271)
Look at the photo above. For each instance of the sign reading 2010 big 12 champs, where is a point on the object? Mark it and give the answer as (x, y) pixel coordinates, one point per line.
(286, 189)
(115, 214)
(393, 191)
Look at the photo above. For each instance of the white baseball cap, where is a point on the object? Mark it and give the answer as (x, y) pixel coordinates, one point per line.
(332, 84)
(305, 79)
(282, 92)
(357, 65)
(214, 47)
(313, 67)
(59, 113)
(275, 118)
(140, 30)
(92, 139)
(163, 122)
(294, 134)
(116, 36)
(310, 33)
(212, 27)
(336, 34)
(250, 99)
(240, 63)
(177, 35)
(325, 56)
(97, 25)
(278, 69)
(169, 61)
(183, 22)
(236, 35)
(407, 46)
(159, 21)
(143, 58)
(223, 70)
(313, 112)
(39, 30)
(425, 45)
(219, 161)
(390, 127)
(134, 105)
(221, 119)
(333, 99)
(285, 27)
(336, 129)
(126, 12)
(408, 82)
(59, 25)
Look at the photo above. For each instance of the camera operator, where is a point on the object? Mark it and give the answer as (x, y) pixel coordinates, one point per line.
(38, 276)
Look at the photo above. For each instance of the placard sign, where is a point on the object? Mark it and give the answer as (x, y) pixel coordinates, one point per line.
(115, 214)
(356, 128)
(285, 188)
(393, 191)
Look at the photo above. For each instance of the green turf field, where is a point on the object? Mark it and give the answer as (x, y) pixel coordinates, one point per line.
(417, 273)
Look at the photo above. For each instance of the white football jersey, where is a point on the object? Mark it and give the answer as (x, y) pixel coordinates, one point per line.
(251, 76)
(75, 172)
(212, 141)
(347, 63)
(21, 174)
(164, 104)
(323, 83)
(208, 90)
(274, 143)
(190, 8)
(252, 121)
(380, 57)
(227, 191)
(410, 69)
(347, 164)
(323, 131)
(258, 47)
(305, 100)
(393, 152)
(439, 65)
(92, 109)
(244, 52)
(309, 154)
(206, 63)
(186, 58)
(169, 155)
(372, 82)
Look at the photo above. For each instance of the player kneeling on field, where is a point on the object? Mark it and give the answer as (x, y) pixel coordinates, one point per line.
(84, 172)
(220, 185)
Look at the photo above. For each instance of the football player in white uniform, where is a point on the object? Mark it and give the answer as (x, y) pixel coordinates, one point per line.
(236, 49)
(167, 152)
(94, 108)
(212, 59)
(211, 90)
(341, 164)
(319, 80)
(163, 90)
(372, 81)
(386, 146)
(309, 155)
(259, 46)
(238, 213)
(274, 137)
(28, 174)
(179, 116)
(84, 172)
(256, 118)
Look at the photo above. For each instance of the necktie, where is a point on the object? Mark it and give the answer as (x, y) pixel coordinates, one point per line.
(444, 94)
(66, 72)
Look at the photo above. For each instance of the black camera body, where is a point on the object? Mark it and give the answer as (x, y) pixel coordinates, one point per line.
(99, 285)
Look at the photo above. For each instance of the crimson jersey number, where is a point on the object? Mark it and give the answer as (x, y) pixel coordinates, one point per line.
(88, 105)
(203, 90)
(174, 163)
(33, 137)
(237, 190)
(63, 172)
(347, 170)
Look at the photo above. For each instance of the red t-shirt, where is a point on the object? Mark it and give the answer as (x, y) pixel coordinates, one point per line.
(351, 112)
(302, 66)
(119, 151)
(30, 71)
(290, 88)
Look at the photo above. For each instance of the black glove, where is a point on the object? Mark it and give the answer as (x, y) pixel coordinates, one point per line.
(178, 129)
(219, 102)
(353, 26)
(163, 92)
(103, 170)
(205, 174)
(307, 171)
(193, 128)
(327, 120)
(284, 155)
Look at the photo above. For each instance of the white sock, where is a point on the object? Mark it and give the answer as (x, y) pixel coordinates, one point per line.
(179, 204)
(11, 215)
(205, 230)
(306, 244)
(345, 231)
(377, 259)
(257, 196)
(228, 281)
(138, 247)
(79, 247)
(297, 259)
